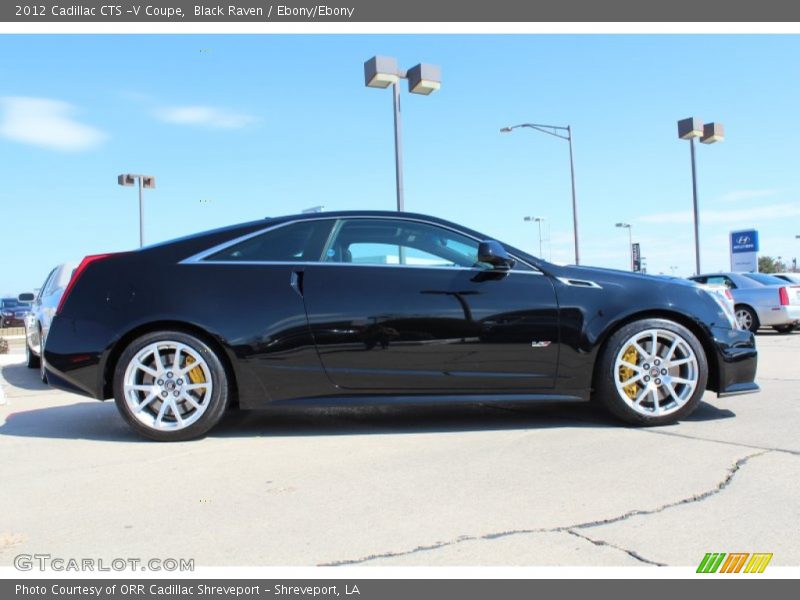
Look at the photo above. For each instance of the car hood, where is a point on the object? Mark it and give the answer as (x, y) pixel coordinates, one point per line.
(621, 277)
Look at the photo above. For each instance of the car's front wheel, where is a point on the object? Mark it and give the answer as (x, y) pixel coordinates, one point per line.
(652, 372)
(170, 386)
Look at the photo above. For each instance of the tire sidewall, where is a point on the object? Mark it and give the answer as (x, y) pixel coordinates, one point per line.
(219, 396)
(607, 390)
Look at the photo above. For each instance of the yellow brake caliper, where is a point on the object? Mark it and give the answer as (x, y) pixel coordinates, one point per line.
(631, 356)
(196, 374)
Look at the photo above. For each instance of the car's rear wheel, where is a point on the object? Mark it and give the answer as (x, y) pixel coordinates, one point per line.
(747, 318)
(170, 386)
(32, 361)
(652, 372)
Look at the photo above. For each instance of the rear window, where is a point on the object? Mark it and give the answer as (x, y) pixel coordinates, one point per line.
(296, 242)
(765, 279)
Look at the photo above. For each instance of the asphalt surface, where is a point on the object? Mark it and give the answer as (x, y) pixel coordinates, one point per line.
(475, 485)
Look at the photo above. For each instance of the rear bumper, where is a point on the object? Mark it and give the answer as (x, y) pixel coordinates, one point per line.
(73, 354)
(779, 315)
(737, 360)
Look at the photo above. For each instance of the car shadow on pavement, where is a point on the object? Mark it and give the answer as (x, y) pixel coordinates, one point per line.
(20, 376)
(94, 420)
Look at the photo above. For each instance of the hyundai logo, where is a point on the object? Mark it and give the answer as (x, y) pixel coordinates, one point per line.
(743, 239)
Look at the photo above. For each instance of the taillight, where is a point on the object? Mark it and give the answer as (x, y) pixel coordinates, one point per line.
(784, 294)
(729, 294)
(87, 260)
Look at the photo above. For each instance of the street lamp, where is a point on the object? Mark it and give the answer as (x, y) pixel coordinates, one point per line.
(558, 132)
(689, 129)
(539, 221)
(382, 72)
(145, 181)
(630, 239)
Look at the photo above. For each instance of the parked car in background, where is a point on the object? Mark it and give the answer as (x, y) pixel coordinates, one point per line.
(369, 308)
(43, 307)
(760, 300)
(13, 311)
(790, 277)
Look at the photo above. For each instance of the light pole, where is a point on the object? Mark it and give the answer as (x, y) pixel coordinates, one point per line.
(382, 72)
(630, 240)
(565, 133)
(689, 129)
(145, 181)
(539, 221)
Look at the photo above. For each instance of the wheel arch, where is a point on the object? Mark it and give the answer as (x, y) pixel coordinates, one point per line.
(703, 336)
(124, 341)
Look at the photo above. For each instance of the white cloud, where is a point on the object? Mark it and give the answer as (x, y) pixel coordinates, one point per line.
(752, 215)
(208, 116)
(47, 123)
(740, 195)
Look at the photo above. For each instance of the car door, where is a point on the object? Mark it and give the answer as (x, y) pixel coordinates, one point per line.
(402, 304)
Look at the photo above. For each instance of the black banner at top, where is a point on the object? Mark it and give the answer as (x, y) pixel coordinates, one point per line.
(468, 11)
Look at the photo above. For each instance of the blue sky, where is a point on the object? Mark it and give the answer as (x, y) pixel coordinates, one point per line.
(237, 127)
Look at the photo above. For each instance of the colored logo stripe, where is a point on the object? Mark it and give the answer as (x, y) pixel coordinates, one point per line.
(711, 562)
(758, 563)
(734, 562)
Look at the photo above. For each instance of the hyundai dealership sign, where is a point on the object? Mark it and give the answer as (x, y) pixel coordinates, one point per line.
(744, 251)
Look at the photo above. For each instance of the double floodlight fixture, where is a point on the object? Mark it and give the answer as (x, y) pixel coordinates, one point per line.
(708, 133)
(128, 179)
(382, 71)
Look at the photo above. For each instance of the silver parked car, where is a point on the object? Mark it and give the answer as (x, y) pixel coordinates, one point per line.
(760, 300)
(37, 321)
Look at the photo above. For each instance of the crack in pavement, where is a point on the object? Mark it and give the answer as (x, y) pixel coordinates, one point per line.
(630, 553)
(570, 529)
(726, 442)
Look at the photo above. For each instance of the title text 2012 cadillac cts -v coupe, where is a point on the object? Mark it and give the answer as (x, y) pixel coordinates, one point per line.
(376, 307)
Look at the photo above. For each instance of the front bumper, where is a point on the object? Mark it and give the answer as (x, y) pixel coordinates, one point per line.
(737, 360)
(13, 321)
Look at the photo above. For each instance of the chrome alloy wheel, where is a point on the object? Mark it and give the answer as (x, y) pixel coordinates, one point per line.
(656, 372)
(167, 386)
(745, 319)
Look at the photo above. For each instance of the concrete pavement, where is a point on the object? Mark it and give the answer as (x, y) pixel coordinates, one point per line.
(475, 485)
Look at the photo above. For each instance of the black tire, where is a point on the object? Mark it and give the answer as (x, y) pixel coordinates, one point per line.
(750, 316)
(31, 360)
(605, 389)
(783, 328)
(216, 403)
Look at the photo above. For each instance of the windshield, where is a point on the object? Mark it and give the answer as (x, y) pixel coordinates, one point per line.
(765, 279)
(12, 303)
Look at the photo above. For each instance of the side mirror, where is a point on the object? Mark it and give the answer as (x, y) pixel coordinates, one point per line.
(26, 297)
(493, 253)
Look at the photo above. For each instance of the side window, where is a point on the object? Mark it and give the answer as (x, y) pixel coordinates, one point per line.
(395, 241)
(299, 242)
(729, 283)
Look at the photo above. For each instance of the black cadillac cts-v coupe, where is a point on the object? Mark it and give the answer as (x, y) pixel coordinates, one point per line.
(379, 307)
